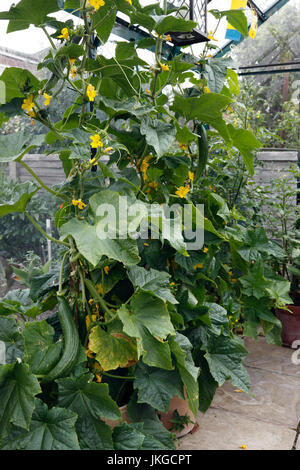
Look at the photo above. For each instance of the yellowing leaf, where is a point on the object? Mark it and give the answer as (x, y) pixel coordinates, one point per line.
(113, 350)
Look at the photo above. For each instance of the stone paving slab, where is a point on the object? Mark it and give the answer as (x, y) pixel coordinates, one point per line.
(271, 357)
(222, 430)
(276, 398)
(264, 420)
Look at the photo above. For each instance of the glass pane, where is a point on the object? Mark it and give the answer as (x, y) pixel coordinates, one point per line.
(264, 5)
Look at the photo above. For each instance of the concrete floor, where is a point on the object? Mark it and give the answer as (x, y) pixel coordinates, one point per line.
(267, 419)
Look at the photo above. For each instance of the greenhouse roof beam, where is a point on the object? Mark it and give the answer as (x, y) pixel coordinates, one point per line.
(261, 15)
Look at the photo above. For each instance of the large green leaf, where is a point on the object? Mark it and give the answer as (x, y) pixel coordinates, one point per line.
(246, 142)
(155, 282)
(18, 387)
(153, 314)
(15, 146)
(279, 291)
(82, 396)
(146, 434)
(254, 282)
(158, 134)
(94, 434)
(91, 402)
(157, 386)
(72, 51)
(18, 301)
(117, 215)
(148, 320)
(156, 436)
(255, 311)
(20, 197)
(170, 229)
(113, 349)
(12, 338)
(236, 18)
(127, 437)
(168, 23)
(104, 19)
(225, 357)
(256, 242)
(18, 84)
(181, 348)
(50, 429)
(218, 317)
(207, 108)
(207, 384)
(142, 19)
(215, 73)
(93, 248)
(28, 12)
(40, 350)
(130, 105)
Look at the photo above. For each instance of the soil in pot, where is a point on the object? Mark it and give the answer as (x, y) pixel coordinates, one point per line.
(290, 324)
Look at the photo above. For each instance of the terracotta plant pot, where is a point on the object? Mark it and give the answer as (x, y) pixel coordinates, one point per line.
(176, 403)
(124, 418)
(182, 408)
(290, 324)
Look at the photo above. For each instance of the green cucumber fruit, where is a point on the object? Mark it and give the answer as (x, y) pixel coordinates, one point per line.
(71, 342)
(203, 151)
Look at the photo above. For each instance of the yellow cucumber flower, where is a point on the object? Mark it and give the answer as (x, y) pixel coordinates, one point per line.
(106, 269)
(91, 92)
(48, 98)
(182, 146)
(96, 141)
(73, 72)
(31, 114)
(100, 289)
(164, 67)
(96, 4)
(153, 185)
(78, 203)
(182, 191)
(211, 36)
(92, 161)
(64, 34)
(198, 266)
(28, 104)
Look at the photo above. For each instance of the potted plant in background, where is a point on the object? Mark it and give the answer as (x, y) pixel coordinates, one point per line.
(278, 208)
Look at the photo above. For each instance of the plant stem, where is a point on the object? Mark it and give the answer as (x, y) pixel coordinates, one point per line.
(43, 185)
(118, 376)
(98, 297)
(49, 37)
(33, 221)
(111, 320)
(60, 283)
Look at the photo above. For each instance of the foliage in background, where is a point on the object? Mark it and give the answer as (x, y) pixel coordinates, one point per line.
(18, 235)
(141, 319)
